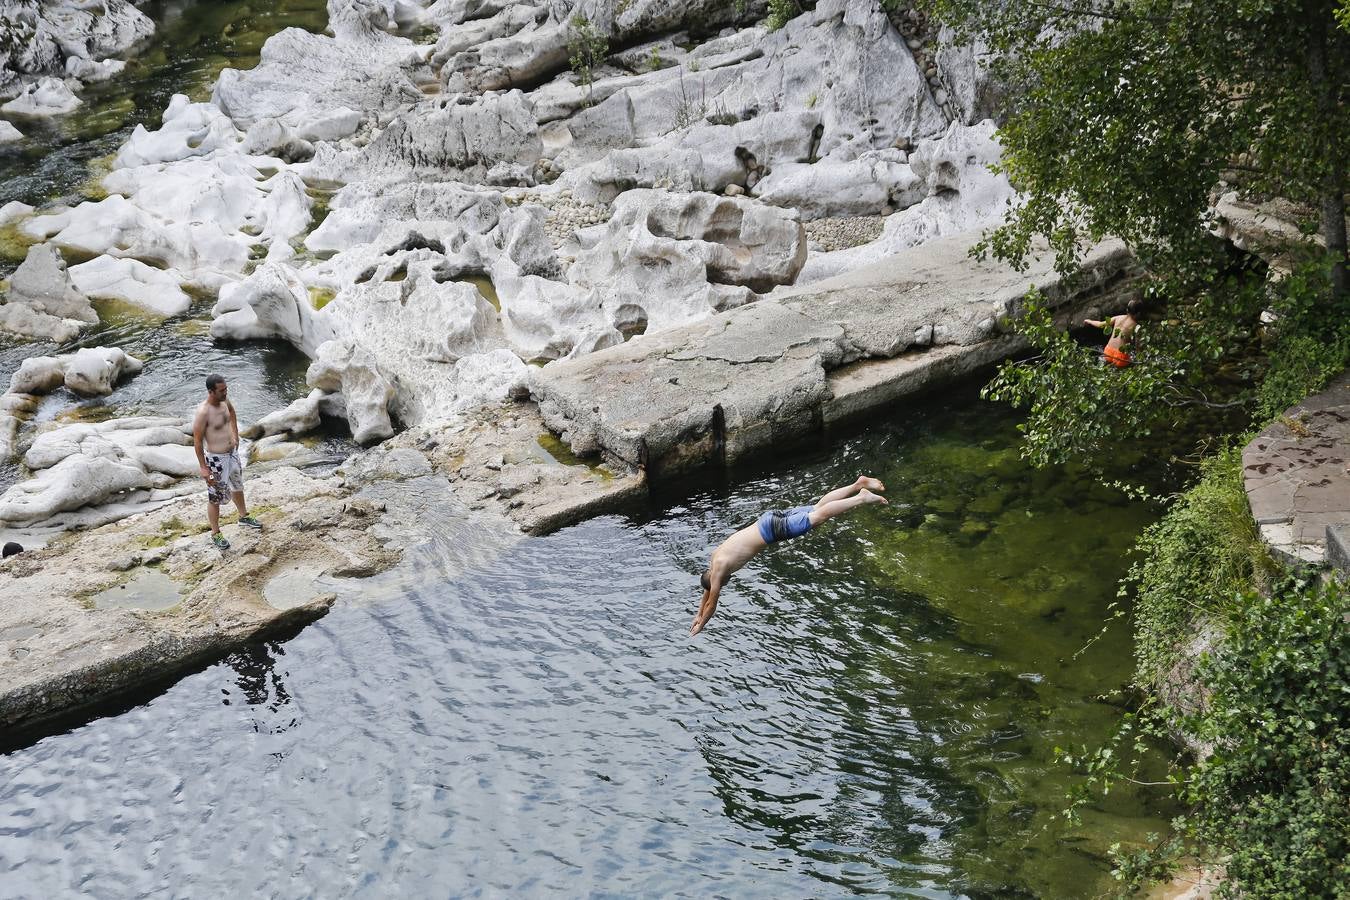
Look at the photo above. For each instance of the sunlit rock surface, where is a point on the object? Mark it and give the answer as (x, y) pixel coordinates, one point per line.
(42, 301)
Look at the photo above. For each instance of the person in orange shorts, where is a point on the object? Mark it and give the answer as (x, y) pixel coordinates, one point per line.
(1122, 332)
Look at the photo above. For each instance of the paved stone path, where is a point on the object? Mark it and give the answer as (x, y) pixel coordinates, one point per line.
(1297, 476)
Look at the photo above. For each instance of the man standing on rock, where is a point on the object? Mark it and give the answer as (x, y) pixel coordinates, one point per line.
(777, 525)
(216, 425)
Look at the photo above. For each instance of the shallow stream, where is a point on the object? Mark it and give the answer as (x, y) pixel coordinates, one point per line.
(874, 709)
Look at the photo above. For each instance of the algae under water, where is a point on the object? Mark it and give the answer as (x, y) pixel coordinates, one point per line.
(873, 710)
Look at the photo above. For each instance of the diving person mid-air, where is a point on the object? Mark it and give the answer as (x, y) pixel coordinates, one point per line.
(776, 525)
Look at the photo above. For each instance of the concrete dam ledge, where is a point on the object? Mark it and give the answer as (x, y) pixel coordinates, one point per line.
(805, 359)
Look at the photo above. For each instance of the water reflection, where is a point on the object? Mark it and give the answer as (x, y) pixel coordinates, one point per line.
(262, 687)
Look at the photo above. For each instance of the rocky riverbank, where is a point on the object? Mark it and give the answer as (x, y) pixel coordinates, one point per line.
(100, 612)
(544, 284)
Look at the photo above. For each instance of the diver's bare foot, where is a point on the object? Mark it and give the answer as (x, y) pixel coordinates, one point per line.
(870, 483)
(869, 497)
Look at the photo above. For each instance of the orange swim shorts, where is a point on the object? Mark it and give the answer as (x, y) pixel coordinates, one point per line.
(1116, 357)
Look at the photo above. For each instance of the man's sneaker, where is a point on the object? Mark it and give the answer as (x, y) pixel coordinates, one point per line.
(250, 522)
(220, 542)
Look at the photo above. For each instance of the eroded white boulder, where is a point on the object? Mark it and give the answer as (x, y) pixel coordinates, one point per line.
(76, 481)
(459, 137)
(89, 372)
(41, 301)
(877, 181)
(131, 281)
(112, 439)
(66, 37)
(271, 303)
(93, 371)
(342, 366)
(115, 226)
(963, 195)
(43, 98)
(187, 129)
(9, 134)
(315, 82)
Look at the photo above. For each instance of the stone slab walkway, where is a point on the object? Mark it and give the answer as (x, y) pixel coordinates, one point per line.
(1297, 476)
(794, 363)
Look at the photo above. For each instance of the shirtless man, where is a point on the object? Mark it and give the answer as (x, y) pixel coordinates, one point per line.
(1122, 332)
(216, 425)
(776, 525)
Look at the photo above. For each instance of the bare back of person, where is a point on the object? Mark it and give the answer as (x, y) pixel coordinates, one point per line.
(1122, 331)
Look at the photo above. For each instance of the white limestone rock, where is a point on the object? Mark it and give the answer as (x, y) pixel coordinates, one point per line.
(15, 409)
(89, 372)
(131, 281)
(313, 78)
(113, 439)
(200, 250)
(739, 240)
(75, 482)
(458, 137)
(38, 375)
(866, 186)
(70, 37)
(90, 71)
(93, 371)
(341, 365)
(8, 135)
(186, 129)
(43, 98)
(300, 417)
(42, 302)
(545, 320)
(13, 211)
(359, 212)
(491, 377)
(964, 196)
(271, 303)
(832, 84)
(173, 459)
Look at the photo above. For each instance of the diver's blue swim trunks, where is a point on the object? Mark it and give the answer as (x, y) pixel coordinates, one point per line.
(779, 525)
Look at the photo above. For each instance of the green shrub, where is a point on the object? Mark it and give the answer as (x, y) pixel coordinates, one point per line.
(1193, 561)
(586, 49)
(1311, 341)
(780, 11)
(1274, 796)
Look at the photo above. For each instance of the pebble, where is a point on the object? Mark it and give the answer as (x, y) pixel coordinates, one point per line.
(843, 232)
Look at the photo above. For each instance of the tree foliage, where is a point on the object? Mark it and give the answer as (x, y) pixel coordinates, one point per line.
(1124, 118)
(1127, 113)
(586, 49)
